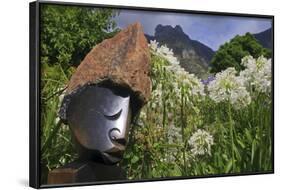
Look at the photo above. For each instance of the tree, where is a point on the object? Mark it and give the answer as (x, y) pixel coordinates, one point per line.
(68, 33)
(231, 53)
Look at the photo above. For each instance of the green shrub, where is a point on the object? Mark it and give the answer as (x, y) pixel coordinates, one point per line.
(231, 53)
(68, 33)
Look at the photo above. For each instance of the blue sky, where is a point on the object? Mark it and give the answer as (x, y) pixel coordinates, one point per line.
(208, 29)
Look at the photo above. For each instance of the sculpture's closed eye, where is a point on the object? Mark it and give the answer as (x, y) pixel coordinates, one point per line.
(114, 116)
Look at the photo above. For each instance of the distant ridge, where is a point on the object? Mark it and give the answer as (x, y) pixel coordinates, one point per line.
(265, 38)
(193, 55)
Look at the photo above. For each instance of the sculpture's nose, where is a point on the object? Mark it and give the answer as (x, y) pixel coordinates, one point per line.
(116, 136)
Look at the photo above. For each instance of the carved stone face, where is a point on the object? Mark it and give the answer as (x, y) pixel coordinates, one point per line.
(99, 119)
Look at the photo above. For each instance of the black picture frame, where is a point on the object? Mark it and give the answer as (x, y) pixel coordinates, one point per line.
(34, 89)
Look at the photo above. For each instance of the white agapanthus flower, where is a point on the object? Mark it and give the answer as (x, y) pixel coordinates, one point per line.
(240, 97)
(182, 76)
(164, 51)
(153, 45)
(197, 86)
(229, 87)
(257, 73)
(201, 142)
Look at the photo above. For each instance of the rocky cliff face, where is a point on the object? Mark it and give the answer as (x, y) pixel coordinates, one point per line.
(194, 56)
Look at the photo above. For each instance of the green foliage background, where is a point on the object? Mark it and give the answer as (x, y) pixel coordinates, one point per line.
(69, 32)
(231, 53)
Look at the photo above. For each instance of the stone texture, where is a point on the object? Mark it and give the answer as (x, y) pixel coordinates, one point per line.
(124, 60)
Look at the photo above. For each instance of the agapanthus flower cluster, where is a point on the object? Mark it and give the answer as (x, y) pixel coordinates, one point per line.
(190, 80)
(164, 52)
(201, 142)
(229, 87)
(182, 76)
(257, 74)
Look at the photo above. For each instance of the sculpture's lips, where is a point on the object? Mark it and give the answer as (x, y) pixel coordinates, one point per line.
(115, 154)
(118, 154)
(116, 151)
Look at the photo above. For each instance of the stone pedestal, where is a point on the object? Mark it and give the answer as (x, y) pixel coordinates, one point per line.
(85, 171)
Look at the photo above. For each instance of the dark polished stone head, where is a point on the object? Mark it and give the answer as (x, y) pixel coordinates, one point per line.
(99, 118)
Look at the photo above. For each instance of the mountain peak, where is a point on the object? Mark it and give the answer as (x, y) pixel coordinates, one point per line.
(168, 30)
(178, 28)
(194, 56)
(161, 27)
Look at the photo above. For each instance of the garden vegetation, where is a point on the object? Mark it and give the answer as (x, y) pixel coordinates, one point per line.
(190, 127)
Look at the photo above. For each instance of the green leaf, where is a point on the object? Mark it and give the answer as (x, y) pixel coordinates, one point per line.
(176, 171)
(134, 159)
(248, 135)
(253, 151)
(241, 143)
(228, 166)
